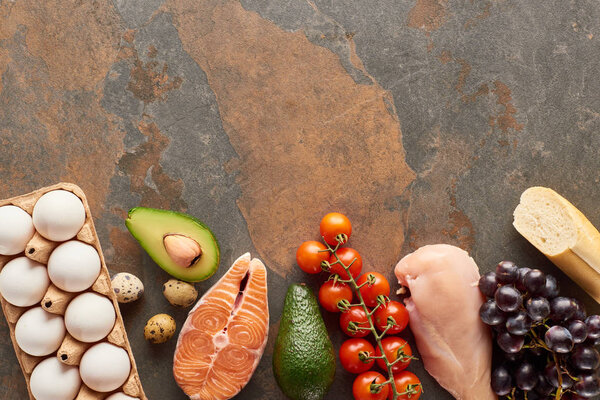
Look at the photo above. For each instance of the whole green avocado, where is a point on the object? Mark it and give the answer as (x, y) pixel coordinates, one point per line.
(304, 359)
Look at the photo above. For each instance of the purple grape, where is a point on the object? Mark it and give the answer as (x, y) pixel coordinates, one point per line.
(535, 281)
(551, 375)
(538, 308)
(488, 284)
(572, 396)
(551, 290)
(490, 314)
(514, 357)
(587, 385)
(538, 351)
(567, 381)
(508, 298)
(532, 396)
(543, 387)
(593, 325)
(506, 272)
(578, 330)
(501, 381)
(510, 343)
(559, 339)
(585, 358)
(519, 323)
(526, 376)
(579, 310)
(562, 308)
(520, 276)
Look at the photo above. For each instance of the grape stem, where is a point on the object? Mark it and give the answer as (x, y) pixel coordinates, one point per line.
(356, 288)
(560, 381)
(559, 367)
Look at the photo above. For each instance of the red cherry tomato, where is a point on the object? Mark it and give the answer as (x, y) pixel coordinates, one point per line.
(331, 294)
(362, 388)
(346, 255)
(357, 316)
(408, 384)
(394, 347)
(370, 292)
(334, 224)
(392, 309)
(350, 352)
(309, 256)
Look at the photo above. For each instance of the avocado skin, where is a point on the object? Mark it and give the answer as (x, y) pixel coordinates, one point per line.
(175, 214)
(198, 272)
(304, 359)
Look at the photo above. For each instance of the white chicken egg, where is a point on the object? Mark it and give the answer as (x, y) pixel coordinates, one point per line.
(39, 333)
(74, 266)
(90, 317)
(23, 282)
(53, 380)
(16, 229)
(58, 215)
(104, 367)
(120, 396)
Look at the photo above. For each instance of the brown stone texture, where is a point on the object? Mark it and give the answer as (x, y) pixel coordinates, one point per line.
(428, 15)
(423, 121)
(57, 120)
(505, 119)
(311, 135)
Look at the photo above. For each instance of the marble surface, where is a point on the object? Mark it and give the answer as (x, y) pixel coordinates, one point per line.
(422, 120)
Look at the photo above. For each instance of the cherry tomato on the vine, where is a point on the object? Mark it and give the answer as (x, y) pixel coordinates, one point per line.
(364, 386)
(346, 255)
(408, 384)
(309, 256)
(370, 292)
(394, 347)
(392, 309)
(350, 352)
(334, 224)
(357, 316)
(330, 294)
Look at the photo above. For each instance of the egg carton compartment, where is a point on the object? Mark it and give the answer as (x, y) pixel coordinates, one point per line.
(56, 300)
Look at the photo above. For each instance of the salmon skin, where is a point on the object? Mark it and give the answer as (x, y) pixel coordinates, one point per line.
(224, 335)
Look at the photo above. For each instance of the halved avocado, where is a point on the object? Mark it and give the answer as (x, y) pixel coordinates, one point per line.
(150, 226)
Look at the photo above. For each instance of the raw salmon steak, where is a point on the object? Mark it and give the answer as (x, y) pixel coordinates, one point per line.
(224, 335)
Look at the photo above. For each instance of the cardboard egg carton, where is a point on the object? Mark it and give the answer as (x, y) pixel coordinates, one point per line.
(56, 300)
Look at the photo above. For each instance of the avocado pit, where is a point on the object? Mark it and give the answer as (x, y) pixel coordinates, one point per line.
(184, 251)
(178, 243)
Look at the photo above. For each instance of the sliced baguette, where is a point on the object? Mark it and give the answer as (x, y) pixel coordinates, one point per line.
(563, 234)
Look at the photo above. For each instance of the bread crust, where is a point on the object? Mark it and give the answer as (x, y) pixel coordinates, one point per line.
(581, 260)
(579, 271)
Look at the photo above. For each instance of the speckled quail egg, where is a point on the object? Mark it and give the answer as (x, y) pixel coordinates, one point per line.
(39, 332)
(104, 367)
(53, 380)
(90, 317)
(179, 293)
(127, 287)
(159, 328)
(120, 396)
(74, 266)
(23, 282)
(58, 215)
(16, 229)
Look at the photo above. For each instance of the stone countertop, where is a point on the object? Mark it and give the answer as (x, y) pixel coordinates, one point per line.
(422, 120)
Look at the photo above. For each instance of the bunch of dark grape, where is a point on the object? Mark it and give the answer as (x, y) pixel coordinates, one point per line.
(546, 344)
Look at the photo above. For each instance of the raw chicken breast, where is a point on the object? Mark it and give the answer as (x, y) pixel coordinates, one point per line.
(455, 346)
